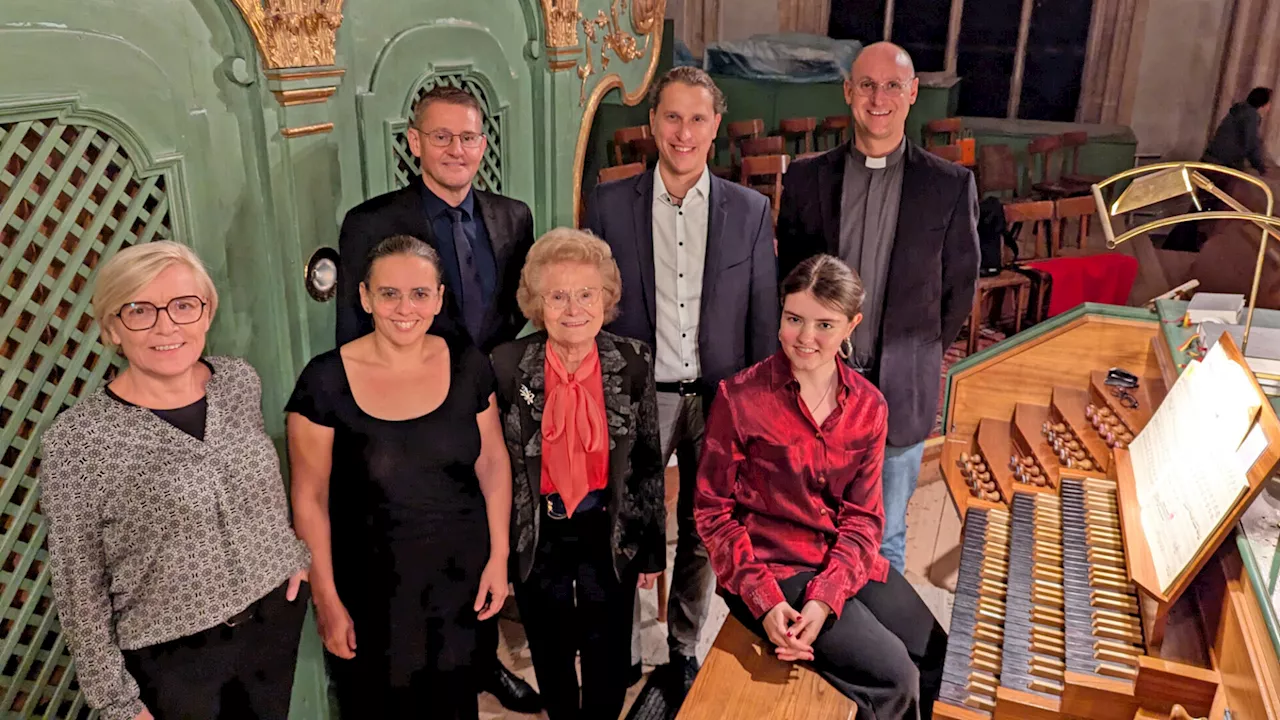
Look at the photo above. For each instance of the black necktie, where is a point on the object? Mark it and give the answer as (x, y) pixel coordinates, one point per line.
(469, 292)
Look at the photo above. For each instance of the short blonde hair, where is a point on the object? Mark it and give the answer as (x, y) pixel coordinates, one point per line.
(566, 245)
(122, 277)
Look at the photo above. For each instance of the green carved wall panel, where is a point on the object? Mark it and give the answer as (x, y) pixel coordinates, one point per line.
(476, 45)
(74, 193)
(157, 119)
(131, 131)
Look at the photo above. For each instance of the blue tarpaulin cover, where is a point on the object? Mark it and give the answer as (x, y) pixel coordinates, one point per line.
(785, 57)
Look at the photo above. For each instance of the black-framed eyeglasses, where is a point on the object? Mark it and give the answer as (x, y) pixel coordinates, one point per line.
(143, 315)
(444, 138)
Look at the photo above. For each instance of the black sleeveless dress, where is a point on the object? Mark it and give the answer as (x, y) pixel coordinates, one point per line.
(409, 537)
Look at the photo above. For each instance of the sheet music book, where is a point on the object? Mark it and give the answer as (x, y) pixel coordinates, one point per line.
(1188, 462)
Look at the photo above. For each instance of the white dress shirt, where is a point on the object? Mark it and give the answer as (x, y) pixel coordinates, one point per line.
(679, 251)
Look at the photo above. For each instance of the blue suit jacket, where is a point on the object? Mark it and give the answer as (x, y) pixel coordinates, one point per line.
(738, 326)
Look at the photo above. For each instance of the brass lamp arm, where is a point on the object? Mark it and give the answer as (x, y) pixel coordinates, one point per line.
(1265, 221)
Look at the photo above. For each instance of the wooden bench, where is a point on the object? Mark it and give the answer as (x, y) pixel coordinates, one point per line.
(741, 678)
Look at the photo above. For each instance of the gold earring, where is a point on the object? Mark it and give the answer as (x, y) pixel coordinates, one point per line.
(846, 347)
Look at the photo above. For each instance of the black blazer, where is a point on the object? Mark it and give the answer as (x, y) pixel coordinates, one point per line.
(738, 326)
(400, 212)
(637, 508)
(932, 270)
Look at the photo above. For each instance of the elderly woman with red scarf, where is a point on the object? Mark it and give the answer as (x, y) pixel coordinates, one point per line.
(580, 417)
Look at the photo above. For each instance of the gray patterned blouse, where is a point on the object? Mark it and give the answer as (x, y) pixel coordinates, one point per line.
(155, 535)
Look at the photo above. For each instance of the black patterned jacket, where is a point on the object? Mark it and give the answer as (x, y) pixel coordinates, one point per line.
(636, 503)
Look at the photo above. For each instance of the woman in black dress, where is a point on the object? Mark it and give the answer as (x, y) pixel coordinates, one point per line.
(402, 490)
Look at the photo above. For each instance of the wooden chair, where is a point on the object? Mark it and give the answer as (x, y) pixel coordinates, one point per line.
(1040, 213)
(1079, 209)
(622, 140)
(741, 678)
(619, 172)
(644, 150)
(1044, 166)
(834, 129)
(798, 129)
(949, 128)
(756, 168)
(997, 171)
(772, 145)
(739, 131)
(1071, 144)
(946, 152)
(986, 287)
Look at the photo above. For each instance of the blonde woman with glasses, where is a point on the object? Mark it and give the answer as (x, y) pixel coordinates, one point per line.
(402, 490)
(175, 572)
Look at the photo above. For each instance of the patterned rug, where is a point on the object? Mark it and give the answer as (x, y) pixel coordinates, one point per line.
(955, 354)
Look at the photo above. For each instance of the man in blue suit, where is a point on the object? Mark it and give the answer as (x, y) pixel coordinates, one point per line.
(699, 284)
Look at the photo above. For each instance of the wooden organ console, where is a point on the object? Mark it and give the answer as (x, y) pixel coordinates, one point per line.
(1054, 613)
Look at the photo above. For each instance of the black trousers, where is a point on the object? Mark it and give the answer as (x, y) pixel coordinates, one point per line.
(572, 603)
(486, 658)
(885, 652)
(226, 673)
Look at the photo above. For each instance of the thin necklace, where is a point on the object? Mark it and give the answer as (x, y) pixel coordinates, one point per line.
(834, 379)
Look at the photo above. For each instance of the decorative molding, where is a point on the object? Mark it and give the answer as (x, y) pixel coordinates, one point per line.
(647, 18)
(610, 81)
(316, 129)
(647, 15)
(303, 86)
(293, 33)
(308, 73)
(561, 18)
(305, 96)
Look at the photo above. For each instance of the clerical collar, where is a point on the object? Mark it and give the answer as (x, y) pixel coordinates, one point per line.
(878, 163)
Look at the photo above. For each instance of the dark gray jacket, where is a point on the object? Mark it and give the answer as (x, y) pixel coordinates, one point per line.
(636, 489)
(1236, 139)
(933, 269)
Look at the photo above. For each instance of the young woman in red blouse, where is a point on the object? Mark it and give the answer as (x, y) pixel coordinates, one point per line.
(790, 507)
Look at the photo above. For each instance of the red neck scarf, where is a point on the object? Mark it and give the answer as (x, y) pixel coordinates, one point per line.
(573, 425)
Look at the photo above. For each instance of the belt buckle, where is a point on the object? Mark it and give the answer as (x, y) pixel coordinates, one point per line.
(551, 510)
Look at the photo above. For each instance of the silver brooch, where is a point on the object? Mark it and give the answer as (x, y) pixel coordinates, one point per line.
(527, 394)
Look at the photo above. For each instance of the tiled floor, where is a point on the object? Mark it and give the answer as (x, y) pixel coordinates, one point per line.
(933, 556)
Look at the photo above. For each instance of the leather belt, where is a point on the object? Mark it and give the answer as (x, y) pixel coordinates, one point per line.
(251, 612)
(683, 387)
(554, 504)
(243, 616)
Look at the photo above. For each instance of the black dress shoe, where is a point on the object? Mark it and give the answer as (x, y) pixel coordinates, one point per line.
(515, 694)
(683, 670)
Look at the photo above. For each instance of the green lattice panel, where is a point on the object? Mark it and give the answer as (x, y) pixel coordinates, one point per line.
(70, 197)
(405, 166)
